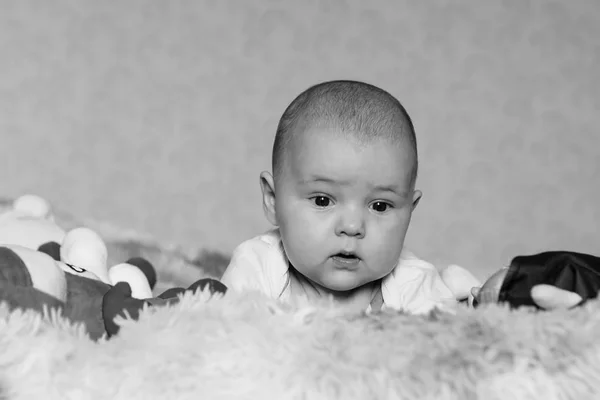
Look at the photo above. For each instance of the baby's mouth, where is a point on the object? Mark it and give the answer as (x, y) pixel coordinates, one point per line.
(346, 258)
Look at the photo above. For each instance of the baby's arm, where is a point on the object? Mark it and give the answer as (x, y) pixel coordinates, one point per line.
(244, 269)
(416, 287)
(257, 265)
(460, 281)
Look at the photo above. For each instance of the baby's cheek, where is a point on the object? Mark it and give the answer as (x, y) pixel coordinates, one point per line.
(386, 263)
(385, 245)
(302, 221)
(306, 241)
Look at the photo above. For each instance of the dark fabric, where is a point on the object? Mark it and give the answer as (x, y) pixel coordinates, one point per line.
(84, 303)
(117, 302)
(52, 249)
(575, 272)
(146, 267)
(214, 286)
(13, 269)
(118, 299)
(16, 286)
(171, 293)
(27, 298)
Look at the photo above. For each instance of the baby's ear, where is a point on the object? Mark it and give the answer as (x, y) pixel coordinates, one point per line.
(417, 194)
(267, 185)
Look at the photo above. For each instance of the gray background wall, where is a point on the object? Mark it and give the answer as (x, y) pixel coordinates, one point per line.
(159, 115)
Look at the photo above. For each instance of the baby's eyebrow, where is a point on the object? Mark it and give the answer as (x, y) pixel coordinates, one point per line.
(394, 189)
(323, 179)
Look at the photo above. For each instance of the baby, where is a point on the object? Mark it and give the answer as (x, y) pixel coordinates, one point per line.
(341, 197)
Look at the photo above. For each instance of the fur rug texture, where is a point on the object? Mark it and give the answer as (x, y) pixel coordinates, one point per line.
(248, 347)
(244, 346)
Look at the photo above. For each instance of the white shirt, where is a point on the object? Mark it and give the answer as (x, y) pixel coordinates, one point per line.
(414, 286)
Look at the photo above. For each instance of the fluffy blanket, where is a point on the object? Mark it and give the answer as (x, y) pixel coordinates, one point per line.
(249, 347)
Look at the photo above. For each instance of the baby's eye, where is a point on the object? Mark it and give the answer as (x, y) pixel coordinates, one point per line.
(380, 206)
(321, 201)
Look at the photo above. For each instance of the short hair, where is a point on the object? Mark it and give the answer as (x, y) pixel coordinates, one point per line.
(361, 109)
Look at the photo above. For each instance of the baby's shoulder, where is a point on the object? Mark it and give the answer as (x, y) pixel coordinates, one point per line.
(263, 244)
(415, 286)
(413, 271)
(263, 252)
(258, 263)
(410, 262)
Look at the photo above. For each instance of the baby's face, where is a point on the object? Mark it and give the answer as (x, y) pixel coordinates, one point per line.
(343, 208)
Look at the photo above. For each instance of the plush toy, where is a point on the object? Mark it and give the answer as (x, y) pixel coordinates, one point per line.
(42, 266)
(30, 224)
(84, 248)
(30, 279)
(548, 280)
(29, 206)
(24, 267)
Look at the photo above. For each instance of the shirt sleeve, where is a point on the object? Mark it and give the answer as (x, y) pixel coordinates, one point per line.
(416, 287)
(255, 266)
(244, 269)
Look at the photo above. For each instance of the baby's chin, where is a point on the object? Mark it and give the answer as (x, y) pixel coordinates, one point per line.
(340, 282)
(340, 286)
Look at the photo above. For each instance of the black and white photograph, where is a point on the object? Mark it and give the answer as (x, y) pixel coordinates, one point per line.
(310, 199)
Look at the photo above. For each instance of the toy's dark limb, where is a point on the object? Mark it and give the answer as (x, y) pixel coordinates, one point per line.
(118, 300)
(27, 298)
(12, 269)
(52, 249)
(214, 286)
(171, 293)
(146, 267)
(157, 301)
(84, 303)
(16, 286)
(171, 296)
(115, 302)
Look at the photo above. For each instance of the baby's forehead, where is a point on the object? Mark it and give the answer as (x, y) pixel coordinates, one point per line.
(330, 149)
(303, 135)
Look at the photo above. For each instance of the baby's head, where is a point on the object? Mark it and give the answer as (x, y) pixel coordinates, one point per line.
(343, 185)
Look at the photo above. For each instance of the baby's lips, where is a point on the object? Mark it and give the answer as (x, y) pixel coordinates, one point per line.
(347, 258)
(347, 253)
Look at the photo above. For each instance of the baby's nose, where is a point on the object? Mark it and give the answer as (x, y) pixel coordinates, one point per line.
(351, 223)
